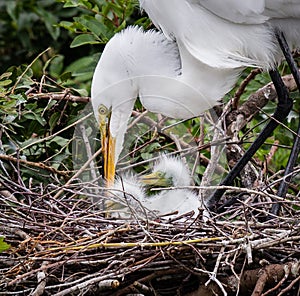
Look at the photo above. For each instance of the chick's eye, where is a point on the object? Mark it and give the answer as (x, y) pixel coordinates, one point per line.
(102, 110)
(160, 174)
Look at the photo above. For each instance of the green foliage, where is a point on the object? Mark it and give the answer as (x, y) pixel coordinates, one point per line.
(3, 245)
(33, 127)
(27, 28)
(100, 20)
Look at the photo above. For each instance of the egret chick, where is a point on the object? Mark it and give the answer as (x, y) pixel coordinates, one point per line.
(171, 172)
(127, 194)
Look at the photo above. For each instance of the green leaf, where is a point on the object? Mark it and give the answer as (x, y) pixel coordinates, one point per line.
(11, 9)
(71, 3)
(84, 39)
(82, 92)
(65, 76)
(77, 3)
(53, 120)
(68, 26)
(36, 117)
(56, 66)
(5, 82)
(5, 75)
(50, 20)
(59, 141)
(3, 245)
(93, 25)
(9, 118)
(83, 65)
(18, 99)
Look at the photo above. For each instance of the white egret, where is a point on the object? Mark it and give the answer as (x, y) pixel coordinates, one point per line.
(142, 64)
(208, 44)
(171, 172)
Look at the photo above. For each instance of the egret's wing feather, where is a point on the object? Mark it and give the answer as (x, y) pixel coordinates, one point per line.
(249, 11)
(236, 11)
(156, 10)
(286, 9)
(215, 41)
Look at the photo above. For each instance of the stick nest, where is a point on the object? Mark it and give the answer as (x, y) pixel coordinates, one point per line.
(66, 246)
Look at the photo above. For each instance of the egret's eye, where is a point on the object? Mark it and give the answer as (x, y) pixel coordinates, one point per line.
(102, 110)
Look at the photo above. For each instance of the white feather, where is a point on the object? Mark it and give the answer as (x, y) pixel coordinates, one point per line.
(227, 33)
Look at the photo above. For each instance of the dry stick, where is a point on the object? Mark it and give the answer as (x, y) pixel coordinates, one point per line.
(289, 287)
(79, 287)
(200, 143)
(60, 97)
(82, 169)
(271, 272)
(269, 157)
(280, 283)
(108, 284)
(248, 242)
(213, 275)
(250, 277)
(232, 264)
(27, 68)
(39, 165)
(138, 118)
(142, 245)
(41, 279)
(41, 275)
(143, 288)
(256, 102)
(243, 86)
(55, 134)
(238, 118)
(295, 172)
(215, 157)
(88, 148)
(41, 269)
(150, 122)
(147, 278)
(84, 278)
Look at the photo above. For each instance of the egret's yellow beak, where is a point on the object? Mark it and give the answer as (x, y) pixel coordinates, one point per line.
(108, 146)
(156, 179)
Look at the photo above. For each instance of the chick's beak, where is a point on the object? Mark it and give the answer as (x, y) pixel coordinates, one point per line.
(108, 149)
(156, 179)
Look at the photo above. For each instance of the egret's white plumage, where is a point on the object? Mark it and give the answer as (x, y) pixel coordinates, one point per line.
(207, 45)
(230, 33)
(147, 65)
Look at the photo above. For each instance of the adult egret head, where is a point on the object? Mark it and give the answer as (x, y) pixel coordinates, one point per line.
(147, 65)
